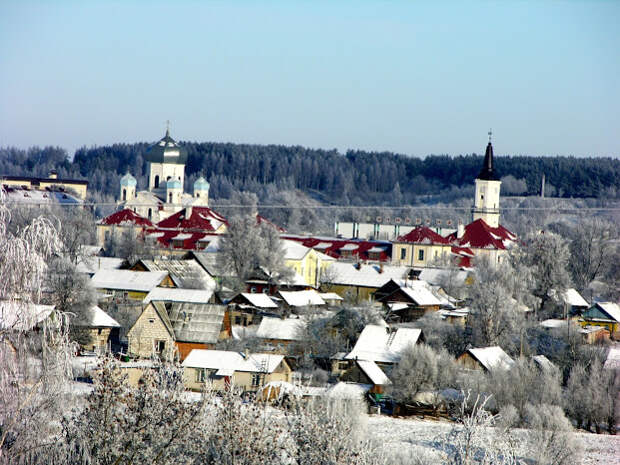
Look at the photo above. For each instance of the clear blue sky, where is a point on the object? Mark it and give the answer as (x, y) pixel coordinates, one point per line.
(410, 77)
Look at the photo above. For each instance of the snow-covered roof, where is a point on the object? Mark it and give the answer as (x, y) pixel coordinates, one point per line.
(22, 316)
(182, 236)
(232, 361)
(175, 294)
(611, 308)
(301, 298)
(612, 362)
(330, 296)
(492, 358)
(126, 217)
(553, 323)
(374, 372)
(349, 247)
(353, 274)
(259, 300)
(98, 319)
(290, 329)
(92, 264)
(543, 362)
(294, 250)
(381, 344)
(143, 281)
(573, 298)
(420, 293)
(184, 273)
(344, 390)
(238, 332)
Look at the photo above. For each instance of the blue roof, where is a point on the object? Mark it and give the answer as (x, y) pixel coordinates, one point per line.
(173, 184)
(128, 180)
(201, 184)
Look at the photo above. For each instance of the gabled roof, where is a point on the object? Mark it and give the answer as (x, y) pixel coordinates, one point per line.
(480, 235)
(294, 250)
(200, 323)
(374, 373)
(417, 292)
(290, 329)
(161, 311)
(423, 235)
(301, 298)
(363, 275)
(573, 298)
(209, 261)
(330, 296)
(97, 318)
(492, 358)
(142, 281)
(175, 294)
(603, 310)
(125, 217)
(259, 300)
(184, 273)
(201, 219)
(232, 361)
(381, 344)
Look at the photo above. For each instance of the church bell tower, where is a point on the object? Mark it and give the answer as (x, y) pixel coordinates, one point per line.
(486, 200)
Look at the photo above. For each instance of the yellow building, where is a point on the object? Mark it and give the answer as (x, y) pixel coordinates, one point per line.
(419, 247)
(76, 186)
(306, 262)
(223, 368)
(605, 314)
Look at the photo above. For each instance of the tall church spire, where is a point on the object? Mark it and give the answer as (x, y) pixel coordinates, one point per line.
(486, 172)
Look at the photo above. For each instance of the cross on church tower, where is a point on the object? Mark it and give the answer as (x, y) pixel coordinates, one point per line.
(490, 134)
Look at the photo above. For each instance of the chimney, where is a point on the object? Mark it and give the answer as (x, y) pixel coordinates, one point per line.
(53, 174)
(460, 230)
(380, 267)
(188, 212)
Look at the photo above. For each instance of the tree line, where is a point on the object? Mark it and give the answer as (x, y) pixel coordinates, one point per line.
(329, 176)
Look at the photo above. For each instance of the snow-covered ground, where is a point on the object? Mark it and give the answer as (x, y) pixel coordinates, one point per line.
(412, 434)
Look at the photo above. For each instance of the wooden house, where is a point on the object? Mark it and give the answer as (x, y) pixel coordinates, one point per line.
(278, 333)
(98, 326)
(605, 314)
(407, 300)
(486, 358)
(121, 285)
(223, 368)
(384, 345)
(367, 372)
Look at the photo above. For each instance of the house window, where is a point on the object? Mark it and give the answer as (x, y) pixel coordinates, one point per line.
(257, 379)
(99, 330)
(253, 290)
(160, 346)
(202, 374)
(265, 291)
(403, 254)
(421, 254)
(151, 320)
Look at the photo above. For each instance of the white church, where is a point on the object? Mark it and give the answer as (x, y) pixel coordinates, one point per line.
(166, 194)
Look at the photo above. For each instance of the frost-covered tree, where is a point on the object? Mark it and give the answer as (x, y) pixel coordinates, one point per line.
(247, 248)
(546, 255)
(422, 369)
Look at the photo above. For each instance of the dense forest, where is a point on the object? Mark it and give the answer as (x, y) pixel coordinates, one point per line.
(356, 177)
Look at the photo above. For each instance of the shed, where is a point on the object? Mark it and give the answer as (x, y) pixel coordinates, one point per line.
(486, 358)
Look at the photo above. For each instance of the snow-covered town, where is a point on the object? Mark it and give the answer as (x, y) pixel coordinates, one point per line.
(187, 300)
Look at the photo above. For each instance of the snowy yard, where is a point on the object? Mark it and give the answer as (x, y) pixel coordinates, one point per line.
(412, 434)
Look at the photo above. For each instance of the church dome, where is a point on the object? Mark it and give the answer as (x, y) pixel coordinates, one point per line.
(128, 181)
(201, 184)
(173, 184)
(167, 150)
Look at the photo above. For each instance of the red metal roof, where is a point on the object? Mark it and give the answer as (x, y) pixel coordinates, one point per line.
(127, 217)
(356, 249)
(480, 235)
(201, 219)
(262, 220)
(423, 235)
